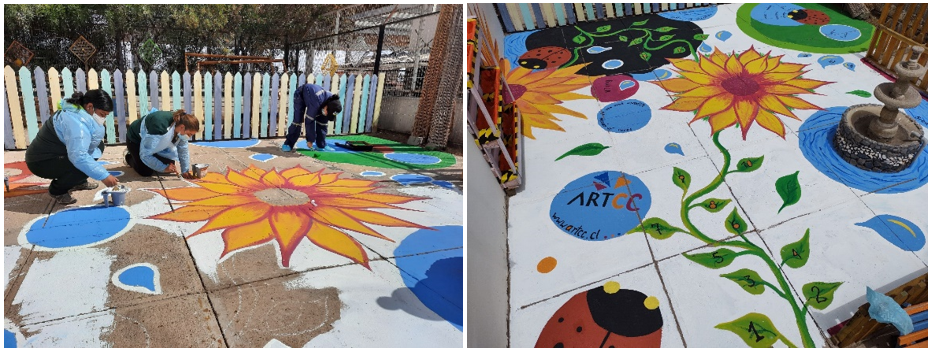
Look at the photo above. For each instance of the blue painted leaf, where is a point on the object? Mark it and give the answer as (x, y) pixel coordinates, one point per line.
(898, 231)
(590, 149)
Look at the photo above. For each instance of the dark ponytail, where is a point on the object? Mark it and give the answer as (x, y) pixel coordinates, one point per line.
(98, 98)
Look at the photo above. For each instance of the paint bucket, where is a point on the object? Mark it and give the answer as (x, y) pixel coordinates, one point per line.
(116, 195)
(198, 169)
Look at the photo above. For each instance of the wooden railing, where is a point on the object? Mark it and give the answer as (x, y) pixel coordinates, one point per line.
(522, 17)
(892, 40)
(229, 106)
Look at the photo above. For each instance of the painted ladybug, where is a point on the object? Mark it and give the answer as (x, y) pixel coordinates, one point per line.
(544, 57)
(605, 316)
(808, 16)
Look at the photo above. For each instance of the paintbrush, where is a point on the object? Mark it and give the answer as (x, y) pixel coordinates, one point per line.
(50, 212)
(159, 177)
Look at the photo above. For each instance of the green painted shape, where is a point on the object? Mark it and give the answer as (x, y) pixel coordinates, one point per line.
(319, 79)
(861, 93)
(338, 127)
(364, 100)
(656, 227)
(264, 107)
(789, 188)
(29, 103)
(68, 84)
(755, 329)
(796, 254)
(143, 93)
(176, 92)
(589, 149)
(237, 105)
(820, 294)
(748, 279)
(681, 179)
(208, 104)
(105, 85)
(375, 158)
(806, 38)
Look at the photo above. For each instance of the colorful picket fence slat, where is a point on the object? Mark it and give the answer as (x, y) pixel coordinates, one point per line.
(522, 17)
(228, 106)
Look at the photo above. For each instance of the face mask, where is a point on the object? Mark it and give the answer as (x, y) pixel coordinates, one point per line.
(100, 120)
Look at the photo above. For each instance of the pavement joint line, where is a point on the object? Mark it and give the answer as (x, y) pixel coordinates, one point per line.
(508, 277)
(166, 298)
(584, 285)
(409, 274)
(18, 281)
(657, 269)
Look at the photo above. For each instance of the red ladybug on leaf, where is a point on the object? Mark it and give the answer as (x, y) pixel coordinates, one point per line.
(544, 57)
(809, 16)
(605, 316)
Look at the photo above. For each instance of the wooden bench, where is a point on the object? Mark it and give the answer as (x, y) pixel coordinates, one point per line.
(917, 339)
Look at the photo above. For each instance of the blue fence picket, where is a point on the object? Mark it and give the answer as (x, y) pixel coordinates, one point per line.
(7, 122)
(338, 126)
(208, 106)
(301, 80)
(247, 105)
(120, 109)
(348, 104)
(218, 107)
(29, 103)
(364, 104)
(264, 107)
(374, 81)
(326, 83)
(42, 93)
(154, 100)
(68, 83)
(105, 85)
(318, 79)
(290, 109)
(237, 97)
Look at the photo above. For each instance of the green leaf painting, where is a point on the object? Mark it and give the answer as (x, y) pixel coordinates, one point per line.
(590, 149)
(579, 39)
(789, 189)
(645, 56)
(665, 37)
(715, 205)
(819, 294)
(795, 254)
(664, 29)
(603, 29)
(636, 42)
(861, 93)
(700, 36)
(681, 178)
(735, 224)
(749, 164)
(657, 228)
(755, 329)
(679, 50)
(748, 280)
(715, 260)
(639, 23)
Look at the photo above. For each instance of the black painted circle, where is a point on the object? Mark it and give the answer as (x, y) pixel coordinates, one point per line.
(560, 320)
(579, 329)
(629, 55)
(624, 312)
(559, 345)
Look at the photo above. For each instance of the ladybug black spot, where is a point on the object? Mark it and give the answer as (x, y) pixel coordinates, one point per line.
(560, 345)
(560, 320)
(579, 329)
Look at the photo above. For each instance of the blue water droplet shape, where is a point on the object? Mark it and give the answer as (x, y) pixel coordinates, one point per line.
(409, 179)
(674, 148)
(372, 174)
(898, 231)
(262, 157)
(612, 64)
(444, 184)
(723, 35)
(705, 48)
(141, 277)
(840, 32)
(116, 173)
(849, 65)
(804, 54)
(598, 49)
(626, 84)
(9, 339)
(829, 60)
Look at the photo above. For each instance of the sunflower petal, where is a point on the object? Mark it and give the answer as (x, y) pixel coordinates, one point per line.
(186, 193)
(686, 65)
(539, 98)
(788, 67)
(570, 96)
(223, 188)
(797, 103)
(306, 180)
(385, 198)
(561, 110)
(289, 227)
(782, 77)
(338, 242)
(677, 85)
(189, 214)
(382, 219)
(733, 66)
(718, 58)
(770, 122)
(294, 172)
(254, 172)
(722, 120)
(748, 56)
(355, 183)
(714, 105)
(685, 104)
(246, 235)
(804, 83)
(234, 216)
(273, 179)
(225, 200)
(782, 89)
(757, 65)
(337, 218)
(711, 67)
(699, 78)
(746, 111)
(340, 190)
(772, 103)
(707, 91)
(327, 178)
(774, 62)
(243, 181)
(212, 177)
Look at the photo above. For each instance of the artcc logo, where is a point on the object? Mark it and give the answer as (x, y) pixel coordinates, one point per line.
(600, 205)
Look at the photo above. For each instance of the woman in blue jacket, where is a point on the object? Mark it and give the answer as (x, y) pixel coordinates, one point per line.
(62, 149)
(157, 140)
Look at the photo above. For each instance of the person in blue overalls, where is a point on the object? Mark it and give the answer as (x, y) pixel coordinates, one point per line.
(314, 106)
(62, 149)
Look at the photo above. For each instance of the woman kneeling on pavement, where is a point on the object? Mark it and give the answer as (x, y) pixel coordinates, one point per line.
(62, 149)
(157, 140)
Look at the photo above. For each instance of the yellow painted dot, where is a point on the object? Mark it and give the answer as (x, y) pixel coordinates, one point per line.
(652, 303)
(547, 264)
(611, 287)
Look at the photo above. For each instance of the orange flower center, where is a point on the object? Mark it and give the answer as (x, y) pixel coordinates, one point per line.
(740, 85)
(282, 197)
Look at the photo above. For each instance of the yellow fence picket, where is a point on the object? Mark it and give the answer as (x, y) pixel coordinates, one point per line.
(16, 112)
(254, 115)
(334, 89)
(198, 92)
(165, 104)
(93, 81)
(283, 105)
(55, 88)
(382, 81)
(131, 104)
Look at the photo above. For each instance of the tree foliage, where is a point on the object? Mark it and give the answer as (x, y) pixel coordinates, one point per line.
(118, 31)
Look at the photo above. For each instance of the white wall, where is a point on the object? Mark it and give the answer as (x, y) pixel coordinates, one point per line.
(487, 264)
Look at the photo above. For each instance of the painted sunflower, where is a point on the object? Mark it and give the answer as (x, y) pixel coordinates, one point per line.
(537, 94)
(740, 88)
(257, 206)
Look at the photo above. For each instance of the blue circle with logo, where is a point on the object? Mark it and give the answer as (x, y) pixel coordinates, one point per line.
(600, 205)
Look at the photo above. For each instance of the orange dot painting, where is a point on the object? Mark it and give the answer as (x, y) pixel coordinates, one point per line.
(547, 264)
(256, 206)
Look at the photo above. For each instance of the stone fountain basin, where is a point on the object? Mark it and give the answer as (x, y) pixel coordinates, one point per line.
(884, 92)
(852, 143)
